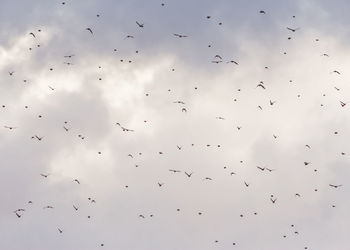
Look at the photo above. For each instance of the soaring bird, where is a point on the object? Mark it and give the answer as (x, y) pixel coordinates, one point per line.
(293, 30)
(335, 186)
(179, 35)
(11, 73)
(174, 170)
(232, 61)
(45, 175)
(141, 25)
(342, 103)
(262, 169)
(90, 30)
(60, 230)
(10, 127)
(31, 33)
(273, 200)
(128, 36)
(180, 102)
(262, 12)
(336, 71)
(77, 181)
(261, 85)
(188, 175)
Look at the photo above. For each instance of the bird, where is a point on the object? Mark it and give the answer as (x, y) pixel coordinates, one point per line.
(246, 184)
(180, 102)
(188, 175)
(262, 12)
(77, 181)
(60, 230)
(174, 170)
(269, 169)
(178, 147)
(31, 33)
(208, 178)
(90, 30)
(273, 200)
(128, 36)
(342, 103)
(179, 35)
(183, 110)
(45, 175)
(10, 127)
(308, 146)
(18, 215)
(11, 73)
(335, 186)
(262, 169)
(261, 85)
(48, 207)
(218, 56)
(141, 25)
(75, 208)
(160, 184)
(293, 30)
(216, 61)
(69, 56)
(65, 128)
(232, 61)
(220, 118)
(336, 71)
(272, 102)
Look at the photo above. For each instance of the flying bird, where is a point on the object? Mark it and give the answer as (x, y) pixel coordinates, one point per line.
(90, 30)
(141, 25)
(179, 35)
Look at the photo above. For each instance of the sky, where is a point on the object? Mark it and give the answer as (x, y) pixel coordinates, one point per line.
(253, 104)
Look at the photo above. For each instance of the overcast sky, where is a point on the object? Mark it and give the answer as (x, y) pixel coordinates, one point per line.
(238, 92)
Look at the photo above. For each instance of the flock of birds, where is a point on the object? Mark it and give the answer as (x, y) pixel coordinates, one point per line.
(184, 109)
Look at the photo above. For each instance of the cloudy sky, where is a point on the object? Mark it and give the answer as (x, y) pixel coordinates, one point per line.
(92, 122)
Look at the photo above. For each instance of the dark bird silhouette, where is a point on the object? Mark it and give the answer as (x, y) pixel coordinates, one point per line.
(174, 170)
(75, 208)
(90, 30)
(11, 73)
(273, 200)
(342, 103)
(60, 230)
(77, 181)
(261, 85)
(262, 169)
(335, 186)
(180, 102)
(188, 175)
(178, 147)
(179, 35)
(262, 12)
(31, 33)
(293, 30)
(45, 175)
(232, 61)
(336, 71)
(10, 127)
(141, 25)
(246, 184)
